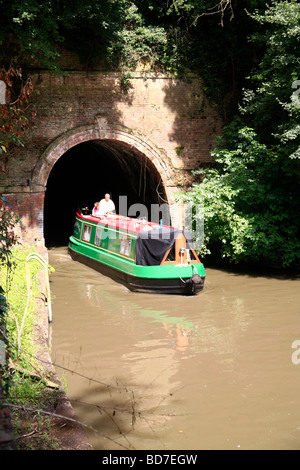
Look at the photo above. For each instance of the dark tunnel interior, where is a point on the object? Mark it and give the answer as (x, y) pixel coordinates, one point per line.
(89, 170)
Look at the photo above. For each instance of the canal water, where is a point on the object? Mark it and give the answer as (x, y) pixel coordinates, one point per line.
(220, 370)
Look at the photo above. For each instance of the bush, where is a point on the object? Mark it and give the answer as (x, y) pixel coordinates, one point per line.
(251, 202)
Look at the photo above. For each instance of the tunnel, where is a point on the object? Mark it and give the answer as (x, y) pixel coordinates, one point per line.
(89, 170)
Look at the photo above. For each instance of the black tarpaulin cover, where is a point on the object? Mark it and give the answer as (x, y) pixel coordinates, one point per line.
(152, 245)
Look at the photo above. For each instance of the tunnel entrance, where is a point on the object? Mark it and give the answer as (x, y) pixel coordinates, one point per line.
(86, 172)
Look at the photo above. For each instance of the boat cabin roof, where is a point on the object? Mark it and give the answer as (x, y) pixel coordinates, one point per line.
(122, 222)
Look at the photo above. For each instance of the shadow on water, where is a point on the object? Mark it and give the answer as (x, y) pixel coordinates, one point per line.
(270, 270)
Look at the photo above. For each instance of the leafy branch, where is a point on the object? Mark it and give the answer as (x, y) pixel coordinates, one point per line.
(219, 9)
(14, 119)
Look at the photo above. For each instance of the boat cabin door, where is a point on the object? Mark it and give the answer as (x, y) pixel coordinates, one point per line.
(180, 252)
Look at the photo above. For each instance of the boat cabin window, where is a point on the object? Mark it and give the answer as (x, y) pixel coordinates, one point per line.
(190, 253)
(171, 254)
(86, 233)
(98, 236)
(125, 246)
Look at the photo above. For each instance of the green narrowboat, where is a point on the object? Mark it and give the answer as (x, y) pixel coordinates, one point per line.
(143, 256)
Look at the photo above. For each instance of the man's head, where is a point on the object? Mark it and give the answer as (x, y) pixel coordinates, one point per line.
(107, 197)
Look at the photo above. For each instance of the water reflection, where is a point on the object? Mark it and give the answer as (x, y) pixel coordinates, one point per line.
(175, 326)
(211, 371)
(196, 332)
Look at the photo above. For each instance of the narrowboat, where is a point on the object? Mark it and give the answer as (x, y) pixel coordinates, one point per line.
(144, 256)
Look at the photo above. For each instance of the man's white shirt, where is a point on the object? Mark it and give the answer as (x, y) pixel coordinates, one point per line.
(106, 206)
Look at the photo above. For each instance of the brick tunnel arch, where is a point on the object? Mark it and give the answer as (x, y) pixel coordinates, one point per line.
(80, 167)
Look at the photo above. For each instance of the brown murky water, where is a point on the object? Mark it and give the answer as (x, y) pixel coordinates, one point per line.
(152, 372)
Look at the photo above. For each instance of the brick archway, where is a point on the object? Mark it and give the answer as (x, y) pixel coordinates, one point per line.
(30, 200)
(101, 131)
(132, 149)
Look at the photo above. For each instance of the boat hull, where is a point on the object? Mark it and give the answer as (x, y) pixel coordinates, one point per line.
(182, 286)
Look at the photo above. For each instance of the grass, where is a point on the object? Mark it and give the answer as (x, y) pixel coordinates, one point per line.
(21, 289)
(32, 428)
(22, 379)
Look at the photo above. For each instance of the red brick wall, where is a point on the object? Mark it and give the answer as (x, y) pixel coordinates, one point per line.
(29, 207)
(170, 115)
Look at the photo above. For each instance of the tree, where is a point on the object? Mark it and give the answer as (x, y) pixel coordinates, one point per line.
(121, 32)
(251, 202)
(251, 197)
(272, 99)
(13, 116)
(34, 29)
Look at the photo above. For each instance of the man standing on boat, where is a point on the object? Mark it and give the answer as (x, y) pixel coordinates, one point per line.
(106, 205)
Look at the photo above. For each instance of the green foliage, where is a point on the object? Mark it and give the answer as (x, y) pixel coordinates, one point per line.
(3, 308)
(272, 100)
(29, 398)
(175, 36)
(21, 294)
(251, 197)
(13, 114)
(121, 32)
(251, 203)
(7, 241)
(137, 42)
(8, 222)
(35, 29)
(18, 310)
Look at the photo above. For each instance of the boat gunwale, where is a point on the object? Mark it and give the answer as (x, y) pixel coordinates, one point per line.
(156, 271)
